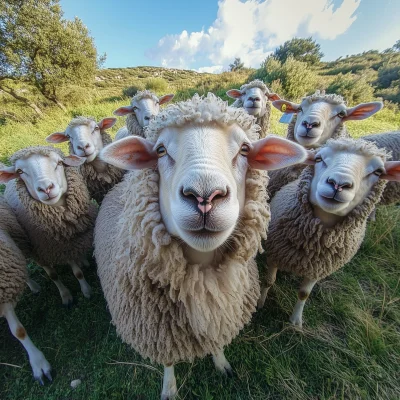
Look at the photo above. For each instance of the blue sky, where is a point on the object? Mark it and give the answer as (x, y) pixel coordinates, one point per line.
(206, 35)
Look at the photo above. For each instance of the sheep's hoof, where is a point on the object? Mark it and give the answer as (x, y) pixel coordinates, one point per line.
(296, 321)
(40, 368)
(222, 365)
(67, 300)
(87, 292)
(169, 393)
(263, 297)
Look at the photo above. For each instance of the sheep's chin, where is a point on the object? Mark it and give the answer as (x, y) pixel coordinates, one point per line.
(331, 206)
(92, 157)
(53, 201)
(307, 141)
(254, 111)
(205, 241)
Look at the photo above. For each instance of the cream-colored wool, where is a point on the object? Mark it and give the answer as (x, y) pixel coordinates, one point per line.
(390, 141)
(264, 121)
(61, 234)
(13, 242)
(299, 243)
(98, 183)
(167, 309)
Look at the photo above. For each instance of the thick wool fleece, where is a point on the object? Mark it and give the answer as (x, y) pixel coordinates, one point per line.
(391, 142)
(14, 248)
(281, 177)
(132, 128)
(299, 243)
(100, 183)
(59, 235)
(167, 309)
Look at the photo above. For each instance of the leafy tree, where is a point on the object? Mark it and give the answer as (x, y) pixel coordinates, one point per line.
(354, 88)
(396, 46)
(305, 50)
(236, 65)
(39, 47)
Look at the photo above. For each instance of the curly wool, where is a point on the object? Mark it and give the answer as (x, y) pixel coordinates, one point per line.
(299, 243)
(31, 150)
(99, 183)
(14, 248)
(167, 309)
(59, 235)
(332, 98)
(390, 141)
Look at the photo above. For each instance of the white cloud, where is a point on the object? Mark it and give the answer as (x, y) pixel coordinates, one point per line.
(251, 29)
(215, 69)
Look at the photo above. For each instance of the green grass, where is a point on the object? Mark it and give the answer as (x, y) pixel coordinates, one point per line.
(348, 349)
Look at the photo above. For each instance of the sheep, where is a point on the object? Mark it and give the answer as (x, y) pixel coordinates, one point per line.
(318, 221)
(256, 99)
(52, 204)
(175, 264)
(14, 246)
(317, 118)
(86, 139)
(391, 142)
(145, 105)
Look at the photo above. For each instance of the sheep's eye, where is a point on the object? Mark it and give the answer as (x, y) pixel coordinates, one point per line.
(157, 102)
(245, 150)
(60, 163)
(378, 172)
(161, 151)
(318, 159)
(299, 109)
(19, 171)
(96, 128)
(341, 114)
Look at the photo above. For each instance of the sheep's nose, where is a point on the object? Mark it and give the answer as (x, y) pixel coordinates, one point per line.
(148, 117)
(84, 147)
(310, 125)
(346, 184)
(204, 201)
(46, 189)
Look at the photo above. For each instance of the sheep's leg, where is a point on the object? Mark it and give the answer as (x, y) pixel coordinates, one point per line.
(302, 295)
(169, 389)
(222, 364)
(39, 364)
(65, 294)
(85, 263)
(86, 289)
(269, 281)
(35, 287)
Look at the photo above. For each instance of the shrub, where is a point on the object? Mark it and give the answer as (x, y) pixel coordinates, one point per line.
(158, 85)
(130, 91)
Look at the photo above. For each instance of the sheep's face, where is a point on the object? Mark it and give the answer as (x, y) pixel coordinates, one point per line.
(145, 108)
(202, 175)
(254, 100)
(342, 178)
(43, 175)
(318, 120)
(85, 138)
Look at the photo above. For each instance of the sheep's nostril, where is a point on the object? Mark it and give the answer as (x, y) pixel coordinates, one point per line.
(87, 146)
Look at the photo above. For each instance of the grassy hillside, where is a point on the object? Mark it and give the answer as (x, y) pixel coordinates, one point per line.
(348, 349)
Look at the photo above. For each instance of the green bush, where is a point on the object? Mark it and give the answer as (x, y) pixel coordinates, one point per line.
(158, 85)
(354, 88)
(130, 91)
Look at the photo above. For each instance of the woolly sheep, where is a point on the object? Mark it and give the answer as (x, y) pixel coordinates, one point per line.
(13, 245)
(145, 105)
(318, 221)
(52, 204)
(256, 99)
(86, 139)
(391, 142)
(317, 118)
(176, 267)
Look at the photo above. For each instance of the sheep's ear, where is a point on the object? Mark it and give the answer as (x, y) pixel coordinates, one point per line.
(73, 161)
(130, 153)
(273, 96)
(392, 171)
(7, 173)
(234, 94)
(362, 111)
(310, 160)
(286, 106)
(124, 111)
(274, 152)
(166, 98)
(57, 137)
(107, 123)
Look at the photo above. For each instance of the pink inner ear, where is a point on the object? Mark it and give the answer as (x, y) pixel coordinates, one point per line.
(234, 93)
(7, 174)
(285, 106)
(273, 97)
(362, 111)
(123, 111)
(73, 160)
(392, 171)
(107, 123)
(166, 98)
(57, 137)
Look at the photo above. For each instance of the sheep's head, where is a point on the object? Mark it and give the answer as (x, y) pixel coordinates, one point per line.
(253, 97)
(202, 149)
(345, 171)
(84, 135)
(319, 115)
(42, 170)
(145, 106)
